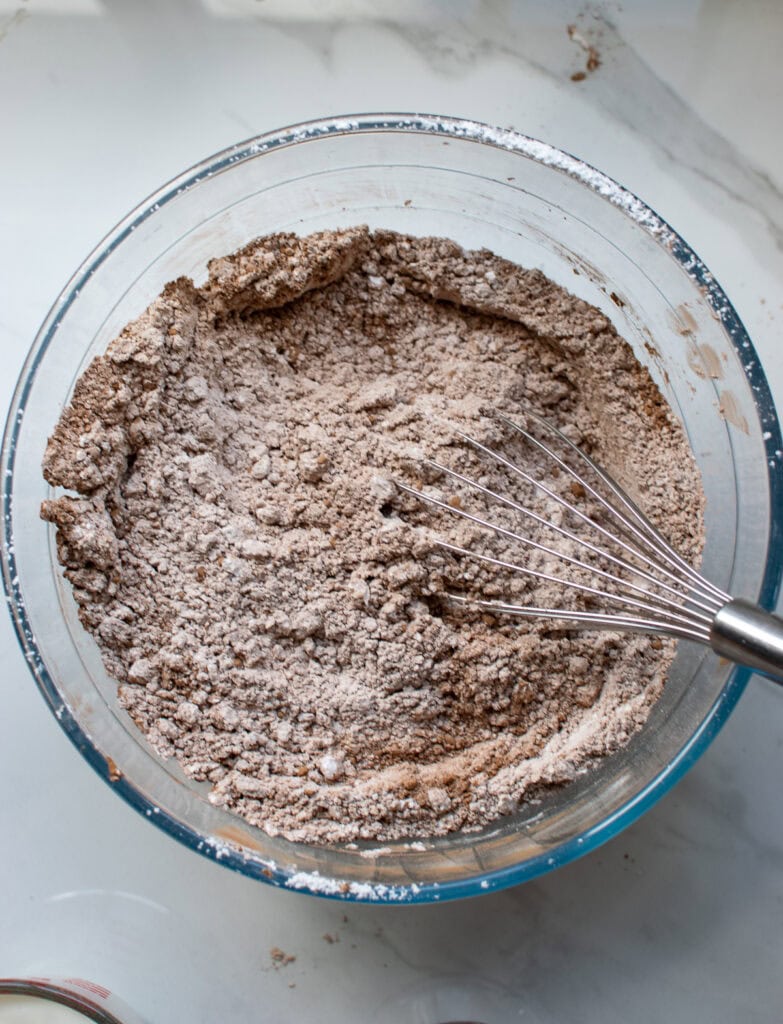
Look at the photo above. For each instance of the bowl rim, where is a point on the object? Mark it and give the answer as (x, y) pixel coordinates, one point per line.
(62, 994)
(451, 128)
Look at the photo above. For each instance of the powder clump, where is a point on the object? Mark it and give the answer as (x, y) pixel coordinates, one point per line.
(274, 609)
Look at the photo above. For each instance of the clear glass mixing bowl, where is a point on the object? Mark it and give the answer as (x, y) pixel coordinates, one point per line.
(485, 188)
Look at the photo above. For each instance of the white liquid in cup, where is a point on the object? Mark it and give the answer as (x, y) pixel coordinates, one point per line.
(16, 1009)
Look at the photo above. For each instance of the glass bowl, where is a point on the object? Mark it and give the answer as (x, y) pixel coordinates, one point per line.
(482, 187)
(57, 999)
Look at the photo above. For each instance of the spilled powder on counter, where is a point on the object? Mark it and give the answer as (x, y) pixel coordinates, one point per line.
(272, 606)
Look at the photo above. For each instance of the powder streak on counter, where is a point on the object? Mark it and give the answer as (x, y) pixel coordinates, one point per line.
(272, 607)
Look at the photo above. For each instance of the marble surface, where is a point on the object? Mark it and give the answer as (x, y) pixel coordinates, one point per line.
(677, 919)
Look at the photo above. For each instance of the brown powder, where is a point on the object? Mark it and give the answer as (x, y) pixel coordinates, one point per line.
(272, 606)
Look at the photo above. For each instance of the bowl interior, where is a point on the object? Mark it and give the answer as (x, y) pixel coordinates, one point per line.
(481, 194)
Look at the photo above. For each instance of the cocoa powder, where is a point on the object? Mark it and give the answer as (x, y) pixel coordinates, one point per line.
(274, 609)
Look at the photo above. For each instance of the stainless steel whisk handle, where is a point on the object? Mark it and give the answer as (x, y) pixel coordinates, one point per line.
(747, 635)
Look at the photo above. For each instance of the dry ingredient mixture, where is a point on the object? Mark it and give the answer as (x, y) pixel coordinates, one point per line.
(272, 606)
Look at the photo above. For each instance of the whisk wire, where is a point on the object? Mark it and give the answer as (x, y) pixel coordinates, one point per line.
(694, 617)
(584, 588)
(640, 525)
(564, 532)
(635, 551)
(598, 620)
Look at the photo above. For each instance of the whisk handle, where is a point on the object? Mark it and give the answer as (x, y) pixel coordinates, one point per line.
(748, 635)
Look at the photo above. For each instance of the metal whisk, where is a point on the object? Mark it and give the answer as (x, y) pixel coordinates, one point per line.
(657, 591)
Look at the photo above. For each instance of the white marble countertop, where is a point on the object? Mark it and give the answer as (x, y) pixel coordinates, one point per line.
(681, 917)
